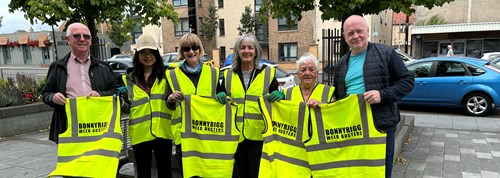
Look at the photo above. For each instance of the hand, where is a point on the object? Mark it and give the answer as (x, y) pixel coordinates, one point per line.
(221, 97)
(176, 96)
(372, 96)
(121, 90)
(93, 93)
(59, 99)
(313, 103)
(275, 96)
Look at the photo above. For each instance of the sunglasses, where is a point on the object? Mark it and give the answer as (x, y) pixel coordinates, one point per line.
(79, 36)
(187, 49)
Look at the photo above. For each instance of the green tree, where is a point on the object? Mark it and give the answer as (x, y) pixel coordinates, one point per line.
(340, 9)
(92, 12)
(119, 33)
(209, 25)
(247, 22)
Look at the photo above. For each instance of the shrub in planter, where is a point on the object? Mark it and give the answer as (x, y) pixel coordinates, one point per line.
(24, 91)
(10, 95)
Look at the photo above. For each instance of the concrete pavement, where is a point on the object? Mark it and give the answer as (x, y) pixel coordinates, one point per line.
(440, 145)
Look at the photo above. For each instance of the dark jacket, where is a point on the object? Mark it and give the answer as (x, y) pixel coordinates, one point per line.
(102, 80)
(384, 71)
(273, 86)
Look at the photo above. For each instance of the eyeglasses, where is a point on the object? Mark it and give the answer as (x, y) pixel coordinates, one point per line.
(79, 36)
(187, 49)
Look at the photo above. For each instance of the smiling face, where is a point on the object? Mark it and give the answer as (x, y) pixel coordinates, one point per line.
(247, 51)
(147, 58)
(308, 73)
(79, 39)
(356, 34)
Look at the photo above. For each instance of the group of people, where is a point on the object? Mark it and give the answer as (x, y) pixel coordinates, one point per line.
(152, 94)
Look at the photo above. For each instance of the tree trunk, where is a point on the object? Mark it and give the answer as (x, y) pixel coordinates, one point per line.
(94, 48)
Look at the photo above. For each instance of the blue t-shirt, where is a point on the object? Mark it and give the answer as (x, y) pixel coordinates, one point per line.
(354, 78)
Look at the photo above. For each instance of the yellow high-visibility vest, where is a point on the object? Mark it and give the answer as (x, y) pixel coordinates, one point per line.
(149, 116)
(284, 153)
(249, 119)
(178, 81)
(209, 137)
(321, 92)
(345, 142)
(91, 145)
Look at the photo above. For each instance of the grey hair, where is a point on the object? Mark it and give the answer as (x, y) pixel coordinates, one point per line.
(305, 58)
(236, 63)
(69, 31)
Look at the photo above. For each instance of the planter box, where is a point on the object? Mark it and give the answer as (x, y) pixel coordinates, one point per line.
(22, 119)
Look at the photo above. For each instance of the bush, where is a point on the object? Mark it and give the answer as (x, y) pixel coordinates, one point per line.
(24, 90)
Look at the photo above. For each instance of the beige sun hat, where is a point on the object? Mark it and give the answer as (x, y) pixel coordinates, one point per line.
(146, 42)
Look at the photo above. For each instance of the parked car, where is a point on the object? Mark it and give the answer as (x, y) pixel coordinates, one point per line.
(171, 60)
(121, 57)
(491, 55)
(460, 82)
(119, 66)
(285, 80)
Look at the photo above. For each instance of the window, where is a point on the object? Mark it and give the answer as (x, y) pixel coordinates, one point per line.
(199, 3)
(258, 3)
(221, 3)
(475, 71)
(474, 48)
(491, 45)
(200, 19)
(283, 26)
(430, 49)
(448, 68)
(26, 54)
(443, 48)
(259, 32)
(287, 51)
(6, 55)
(222, 56)
(420, 69)
(182, 27)
(222, 32)
(458, 48)
(180, 3)
(46, 55)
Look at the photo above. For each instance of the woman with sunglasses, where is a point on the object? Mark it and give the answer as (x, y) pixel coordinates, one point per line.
(191, 77)
(149, 124)
(245, 82)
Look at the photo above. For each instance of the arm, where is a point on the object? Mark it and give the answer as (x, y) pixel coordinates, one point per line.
(50, 87)
(402, 79)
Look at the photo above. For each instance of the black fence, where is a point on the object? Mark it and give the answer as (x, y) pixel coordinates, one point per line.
(331, 40)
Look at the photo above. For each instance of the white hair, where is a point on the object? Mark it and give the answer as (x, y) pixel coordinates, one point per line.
(69, 31)
(305, 58)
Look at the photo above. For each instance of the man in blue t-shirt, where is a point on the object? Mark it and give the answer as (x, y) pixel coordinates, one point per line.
(376, 71)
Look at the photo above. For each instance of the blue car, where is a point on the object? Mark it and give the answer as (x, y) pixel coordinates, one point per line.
(460, 82)
(229, 59)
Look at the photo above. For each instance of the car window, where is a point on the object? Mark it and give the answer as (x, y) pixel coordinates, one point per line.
(450, 68)
(421, 69)
(493, 56)
(475, 71)
(280, 73)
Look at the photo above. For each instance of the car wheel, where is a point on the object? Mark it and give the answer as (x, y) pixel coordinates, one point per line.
(477, 104)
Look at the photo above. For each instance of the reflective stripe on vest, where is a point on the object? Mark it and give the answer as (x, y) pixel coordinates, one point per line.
(209, 137)
(249, 119)
(91, 145)
(149, 116)
(347, 143)
(321, 92)
(284, 153)
(178, 81)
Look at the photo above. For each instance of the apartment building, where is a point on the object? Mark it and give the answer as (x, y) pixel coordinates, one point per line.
(472, 27)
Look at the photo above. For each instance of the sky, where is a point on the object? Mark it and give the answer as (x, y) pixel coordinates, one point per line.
(15, 21)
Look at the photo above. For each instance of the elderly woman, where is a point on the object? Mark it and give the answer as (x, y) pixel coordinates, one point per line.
(245, 82)
(309, 90)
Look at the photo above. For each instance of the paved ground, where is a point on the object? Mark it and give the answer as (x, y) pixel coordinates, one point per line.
(441, 145)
